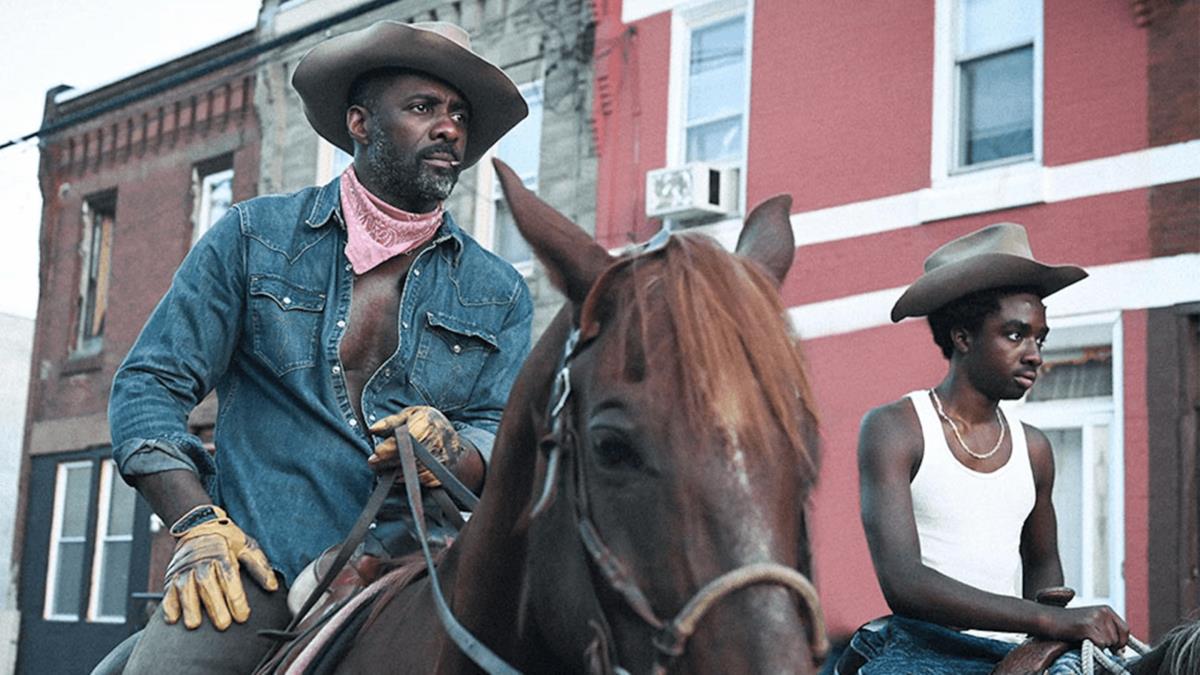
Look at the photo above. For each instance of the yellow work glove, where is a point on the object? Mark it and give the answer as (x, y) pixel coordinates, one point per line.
(427, 425)
(204, 569)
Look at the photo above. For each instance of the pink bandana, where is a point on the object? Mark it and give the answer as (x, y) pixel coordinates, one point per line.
(378, 231)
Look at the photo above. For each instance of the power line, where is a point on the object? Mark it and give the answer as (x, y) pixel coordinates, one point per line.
(197, 71)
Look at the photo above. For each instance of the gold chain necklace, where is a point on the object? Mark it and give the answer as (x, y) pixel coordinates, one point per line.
(937, 401)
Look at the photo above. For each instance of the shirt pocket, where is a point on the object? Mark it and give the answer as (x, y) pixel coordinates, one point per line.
(450, 355)
(286, 322)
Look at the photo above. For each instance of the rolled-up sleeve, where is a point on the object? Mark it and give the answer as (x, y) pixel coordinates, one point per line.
(181, 354)
(479, 420)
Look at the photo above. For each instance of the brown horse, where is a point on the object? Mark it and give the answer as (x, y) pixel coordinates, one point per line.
(665, 475)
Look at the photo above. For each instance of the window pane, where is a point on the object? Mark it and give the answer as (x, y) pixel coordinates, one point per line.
(220, 197)
(715, 141)
(120, 510)
(717, 71)
(521, 148)
(509, 243)
(75, 501)
(1084, 373)
(114, 579)
(67, 580)
(997, 106)
(97, 269)
(988, 25)
(1068, 501)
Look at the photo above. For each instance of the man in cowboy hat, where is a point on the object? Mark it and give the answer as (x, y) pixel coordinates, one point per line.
(324, 319)
(956, 492)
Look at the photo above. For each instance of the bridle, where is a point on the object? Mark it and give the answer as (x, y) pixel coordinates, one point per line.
(670, 636)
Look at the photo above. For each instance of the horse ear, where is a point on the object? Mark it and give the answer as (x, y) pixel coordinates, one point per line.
(766, 237)
(573, 260)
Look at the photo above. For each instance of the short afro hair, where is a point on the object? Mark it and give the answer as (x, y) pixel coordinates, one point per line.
(968, 313)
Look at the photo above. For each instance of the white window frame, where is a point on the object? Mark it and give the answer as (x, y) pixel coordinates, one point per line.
(944, 170)
(203, 186)
(107, 476)
(1087, 413)
(686, 19)
(56, 538)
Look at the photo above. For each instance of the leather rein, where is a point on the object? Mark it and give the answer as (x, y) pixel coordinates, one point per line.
(670, 636)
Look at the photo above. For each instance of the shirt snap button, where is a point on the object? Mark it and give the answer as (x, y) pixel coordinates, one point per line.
(416, 273)
(404, 324)
(336, 369)
(457, 349)
(353, 423)
(287, 301)
(341, 324)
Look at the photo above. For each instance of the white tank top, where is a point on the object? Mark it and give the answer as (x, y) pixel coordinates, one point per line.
(969, 523)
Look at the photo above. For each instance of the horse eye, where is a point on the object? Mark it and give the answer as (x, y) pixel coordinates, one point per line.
(614, 451)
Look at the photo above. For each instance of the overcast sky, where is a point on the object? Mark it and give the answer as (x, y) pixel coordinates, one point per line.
(86, 44)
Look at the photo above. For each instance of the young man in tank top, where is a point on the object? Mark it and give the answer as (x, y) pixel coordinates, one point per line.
(955, 492)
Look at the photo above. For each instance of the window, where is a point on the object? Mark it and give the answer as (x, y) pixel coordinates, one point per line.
(716, 91)
(99, 218)
(114, 545)
(90, 560)
(708, 100)
(521, 149)
(68, 541)
(1075, 403)
(996, 59)
(212, 185)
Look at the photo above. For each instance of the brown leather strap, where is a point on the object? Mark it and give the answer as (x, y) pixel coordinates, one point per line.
(485, 658)
(374, 503)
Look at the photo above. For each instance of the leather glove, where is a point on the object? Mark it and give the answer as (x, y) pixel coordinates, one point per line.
(427, 425)
(205, 569)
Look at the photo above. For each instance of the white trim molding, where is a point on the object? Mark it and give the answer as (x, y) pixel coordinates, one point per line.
(1002, 188)
(636, 10)
(1137, 284)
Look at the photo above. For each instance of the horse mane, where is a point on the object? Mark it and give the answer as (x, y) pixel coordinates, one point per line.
(729, 327)
(1181, 647)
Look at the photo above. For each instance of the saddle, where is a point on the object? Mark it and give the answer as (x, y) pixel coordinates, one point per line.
(1034, 655)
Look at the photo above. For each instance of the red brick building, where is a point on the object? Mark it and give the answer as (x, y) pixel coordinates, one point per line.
(899, 126)
(131, 174)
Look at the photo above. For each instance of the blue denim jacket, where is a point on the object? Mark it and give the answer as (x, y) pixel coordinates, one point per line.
(257, 311)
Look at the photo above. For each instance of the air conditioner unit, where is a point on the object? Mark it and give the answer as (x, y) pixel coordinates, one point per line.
(691, 191)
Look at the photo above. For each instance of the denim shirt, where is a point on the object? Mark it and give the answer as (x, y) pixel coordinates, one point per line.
(257, 311)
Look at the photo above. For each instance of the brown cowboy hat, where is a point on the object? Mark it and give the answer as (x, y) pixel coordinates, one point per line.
(443, 50)
(994, 257)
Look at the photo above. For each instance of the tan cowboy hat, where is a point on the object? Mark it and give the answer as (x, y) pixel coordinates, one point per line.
(994, 257)
(443, 50)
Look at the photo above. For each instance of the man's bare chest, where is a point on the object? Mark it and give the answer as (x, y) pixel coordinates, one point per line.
(371, 333)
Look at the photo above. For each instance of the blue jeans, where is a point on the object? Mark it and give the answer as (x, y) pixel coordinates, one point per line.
(911, 646)
(165, 648)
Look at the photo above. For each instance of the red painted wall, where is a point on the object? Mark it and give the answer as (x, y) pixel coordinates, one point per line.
(1095, 81)
(840, 107)
(1112, 226)
(632, 65)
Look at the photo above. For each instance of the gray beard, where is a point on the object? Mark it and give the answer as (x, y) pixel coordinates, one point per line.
(405, 178)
